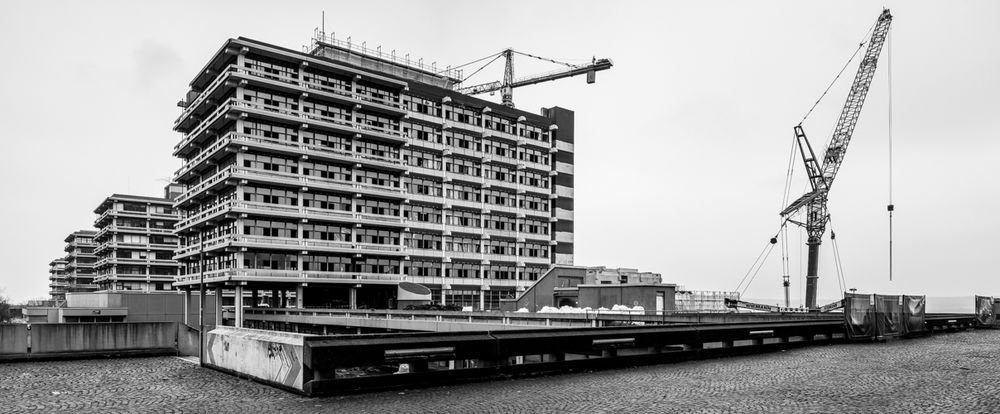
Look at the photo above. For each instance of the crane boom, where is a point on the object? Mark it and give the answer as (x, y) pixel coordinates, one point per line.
(507, 85)
(821, 176)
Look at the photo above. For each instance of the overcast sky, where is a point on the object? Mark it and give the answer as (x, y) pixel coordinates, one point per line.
(681, 148)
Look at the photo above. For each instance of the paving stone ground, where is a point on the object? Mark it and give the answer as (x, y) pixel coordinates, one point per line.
(945, 373)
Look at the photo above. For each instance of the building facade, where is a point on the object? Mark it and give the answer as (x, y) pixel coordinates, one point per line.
(57, 279)
(80, 261)
(336, 176)
(135, 243)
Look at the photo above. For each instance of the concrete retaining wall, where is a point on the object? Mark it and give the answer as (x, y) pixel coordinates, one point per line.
(271, 357)
(68, 338)
(13, 340)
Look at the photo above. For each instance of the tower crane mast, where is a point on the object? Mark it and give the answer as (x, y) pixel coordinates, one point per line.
(507, 85)
(821, 176)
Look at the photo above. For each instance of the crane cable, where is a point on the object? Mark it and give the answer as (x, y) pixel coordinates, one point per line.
(759, 263)
(890, 207)
(839, 264)
(856, 51)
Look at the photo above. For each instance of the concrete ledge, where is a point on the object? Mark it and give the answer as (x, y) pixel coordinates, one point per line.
(273, 358)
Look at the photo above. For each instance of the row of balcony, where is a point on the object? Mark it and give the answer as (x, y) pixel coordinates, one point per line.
(297, 276)
(114, 245)
(287, 275)
(284, 82)
(348, 247)
(358, 100)
(116, 211)
(324, 152)
(289, 115)
(129, 277)
(114, 261)
(301, 181)
(114, 228)
(307, 213)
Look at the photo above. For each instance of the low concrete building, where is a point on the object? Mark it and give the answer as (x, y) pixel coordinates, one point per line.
(124, 306)
(595, 287)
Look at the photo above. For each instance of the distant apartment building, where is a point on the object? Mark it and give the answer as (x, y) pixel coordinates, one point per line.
(605, 275)
(135, 243)
(57, 279)
(336, 175)
(80, 260)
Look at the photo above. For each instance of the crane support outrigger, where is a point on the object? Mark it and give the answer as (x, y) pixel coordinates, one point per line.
(821, 175)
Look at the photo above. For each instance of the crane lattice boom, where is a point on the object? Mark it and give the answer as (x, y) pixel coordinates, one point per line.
(507, 85)
(821, 175)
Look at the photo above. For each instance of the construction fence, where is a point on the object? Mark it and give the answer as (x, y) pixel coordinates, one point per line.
(883, 316)
(987, 309)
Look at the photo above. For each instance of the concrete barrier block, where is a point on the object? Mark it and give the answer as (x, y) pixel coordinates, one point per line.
(13, 339)
(268, 356)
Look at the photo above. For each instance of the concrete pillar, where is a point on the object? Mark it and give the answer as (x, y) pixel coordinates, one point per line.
(299, 296)
(284, 298)
(274, 302)
(353, 298)
(187, 307)
(218, 306)
(254, 297)
(482, 300)
(239, 307)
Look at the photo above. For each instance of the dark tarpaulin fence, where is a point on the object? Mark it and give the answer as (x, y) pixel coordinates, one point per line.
(985, 311)
(889, 315)
(880, 316)
(996, 311)
(914, 313)
(859, 314)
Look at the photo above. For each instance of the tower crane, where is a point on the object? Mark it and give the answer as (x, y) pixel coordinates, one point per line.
(821, 176)
(507, 85)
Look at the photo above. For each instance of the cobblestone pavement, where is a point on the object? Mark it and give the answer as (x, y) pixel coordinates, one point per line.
(957, 372)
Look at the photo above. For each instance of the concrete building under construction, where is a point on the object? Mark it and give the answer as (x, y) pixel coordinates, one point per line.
(330, 176)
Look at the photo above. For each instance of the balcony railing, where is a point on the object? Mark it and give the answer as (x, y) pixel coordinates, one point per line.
(251, 274)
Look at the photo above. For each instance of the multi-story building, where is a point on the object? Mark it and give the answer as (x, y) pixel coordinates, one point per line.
(135, 243)
(80, 260)
(336, 175)
(57, 279)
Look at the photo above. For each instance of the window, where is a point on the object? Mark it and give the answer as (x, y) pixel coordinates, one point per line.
(270, 163)
(464, 218)
(463, 115)
(426, 214)
(423, 186)
(463, 166)
(376, 236)
(423, 241)
(326, 170)
(270, 195)
(463, 192)
(380, 207)
(422, 132)
(376, 149)
(269, 131)
(421, 105)
(460, 140)
(327, 81)
(328, 142)
(379, 178)
(326, 201)
(423, 268)
(270, 228)
(326, 263)
(329, 232)
(271, 68)
(327, 112)
(274, 261)
(422, 159)
(462, 269)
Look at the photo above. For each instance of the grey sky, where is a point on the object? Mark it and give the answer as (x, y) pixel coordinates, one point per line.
(681, 148)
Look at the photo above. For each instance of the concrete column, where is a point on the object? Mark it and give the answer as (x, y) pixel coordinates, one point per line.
(239, 307)
(218, 306)
(187, 307)
(299, 296)
(353, 298)
(275, 301)
(482, 300)
(284, 298)
(254, 297)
